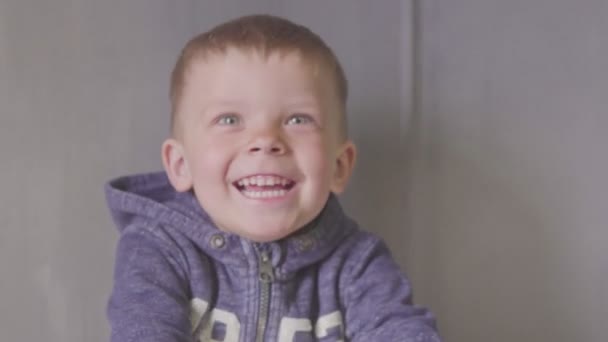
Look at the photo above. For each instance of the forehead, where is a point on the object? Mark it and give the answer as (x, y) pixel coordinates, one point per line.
(295, 70)
(251, 78)
(256, 79)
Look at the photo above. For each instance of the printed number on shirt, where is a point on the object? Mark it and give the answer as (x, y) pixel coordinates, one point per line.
(204, 320)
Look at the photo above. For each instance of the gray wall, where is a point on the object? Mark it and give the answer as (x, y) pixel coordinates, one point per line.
(480, 125)
(509, 196)
(82, 98)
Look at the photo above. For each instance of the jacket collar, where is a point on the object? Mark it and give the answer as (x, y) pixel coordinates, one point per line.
(151, 198)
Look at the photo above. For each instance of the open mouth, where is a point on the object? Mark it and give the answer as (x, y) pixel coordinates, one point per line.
(264, 186)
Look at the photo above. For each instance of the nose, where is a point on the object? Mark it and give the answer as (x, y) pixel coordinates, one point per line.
(268, 142)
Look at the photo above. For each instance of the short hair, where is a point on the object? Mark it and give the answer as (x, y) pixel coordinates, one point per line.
(265, 34)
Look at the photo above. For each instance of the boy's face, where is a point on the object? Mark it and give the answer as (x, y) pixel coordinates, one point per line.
(257, 140)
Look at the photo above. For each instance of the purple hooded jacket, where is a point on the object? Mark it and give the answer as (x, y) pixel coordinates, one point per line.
(180, 279)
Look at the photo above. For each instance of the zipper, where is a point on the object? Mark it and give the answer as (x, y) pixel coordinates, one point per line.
(266, 277)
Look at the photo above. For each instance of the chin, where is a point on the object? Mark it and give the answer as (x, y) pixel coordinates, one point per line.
(263, 234)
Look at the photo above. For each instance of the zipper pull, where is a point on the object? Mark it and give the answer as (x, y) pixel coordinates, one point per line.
(266, 271)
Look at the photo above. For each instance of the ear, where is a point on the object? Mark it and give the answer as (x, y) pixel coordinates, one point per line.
(345, 162)
(176, 165)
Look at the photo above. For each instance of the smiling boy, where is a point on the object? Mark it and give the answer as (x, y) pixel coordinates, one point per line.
(256, 135)
(242, 237)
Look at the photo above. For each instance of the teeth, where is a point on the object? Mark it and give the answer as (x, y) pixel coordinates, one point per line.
(265, 194)
(263, 181)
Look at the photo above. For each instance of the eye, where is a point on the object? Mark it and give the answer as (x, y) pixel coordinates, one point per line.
(228, 120)
(299, 119)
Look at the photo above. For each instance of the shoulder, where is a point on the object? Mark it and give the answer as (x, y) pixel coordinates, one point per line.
(367, 250)
(151, 233)
(146, 242)
(360, 252)
(360, 243)
(364, 254)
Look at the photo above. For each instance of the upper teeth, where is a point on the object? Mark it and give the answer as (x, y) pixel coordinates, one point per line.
(263, 181)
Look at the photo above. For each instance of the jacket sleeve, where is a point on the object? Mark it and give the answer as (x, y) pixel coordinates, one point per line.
(378, 301)
(149, 300)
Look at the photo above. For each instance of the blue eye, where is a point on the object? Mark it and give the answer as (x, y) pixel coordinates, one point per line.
(299, 119)
(228, 119)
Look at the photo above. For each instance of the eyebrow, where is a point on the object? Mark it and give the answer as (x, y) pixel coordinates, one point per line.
(303, 101)
(296, 102)
(226, 103)
(221, 105)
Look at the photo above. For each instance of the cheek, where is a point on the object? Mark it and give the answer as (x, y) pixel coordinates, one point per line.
(318, 161)
(209, 161)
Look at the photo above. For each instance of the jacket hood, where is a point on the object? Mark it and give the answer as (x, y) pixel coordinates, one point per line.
(150, 200)
(150, 196)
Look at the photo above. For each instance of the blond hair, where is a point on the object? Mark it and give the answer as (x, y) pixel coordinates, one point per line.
(265, 34)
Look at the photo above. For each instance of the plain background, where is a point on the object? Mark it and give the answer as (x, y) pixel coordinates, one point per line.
(481, 124)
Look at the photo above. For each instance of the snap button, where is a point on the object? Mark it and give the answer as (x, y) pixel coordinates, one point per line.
(305, 243)
(217, 241)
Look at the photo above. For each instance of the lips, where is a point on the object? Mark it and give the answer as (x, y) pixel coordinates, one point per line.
(264, 186)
